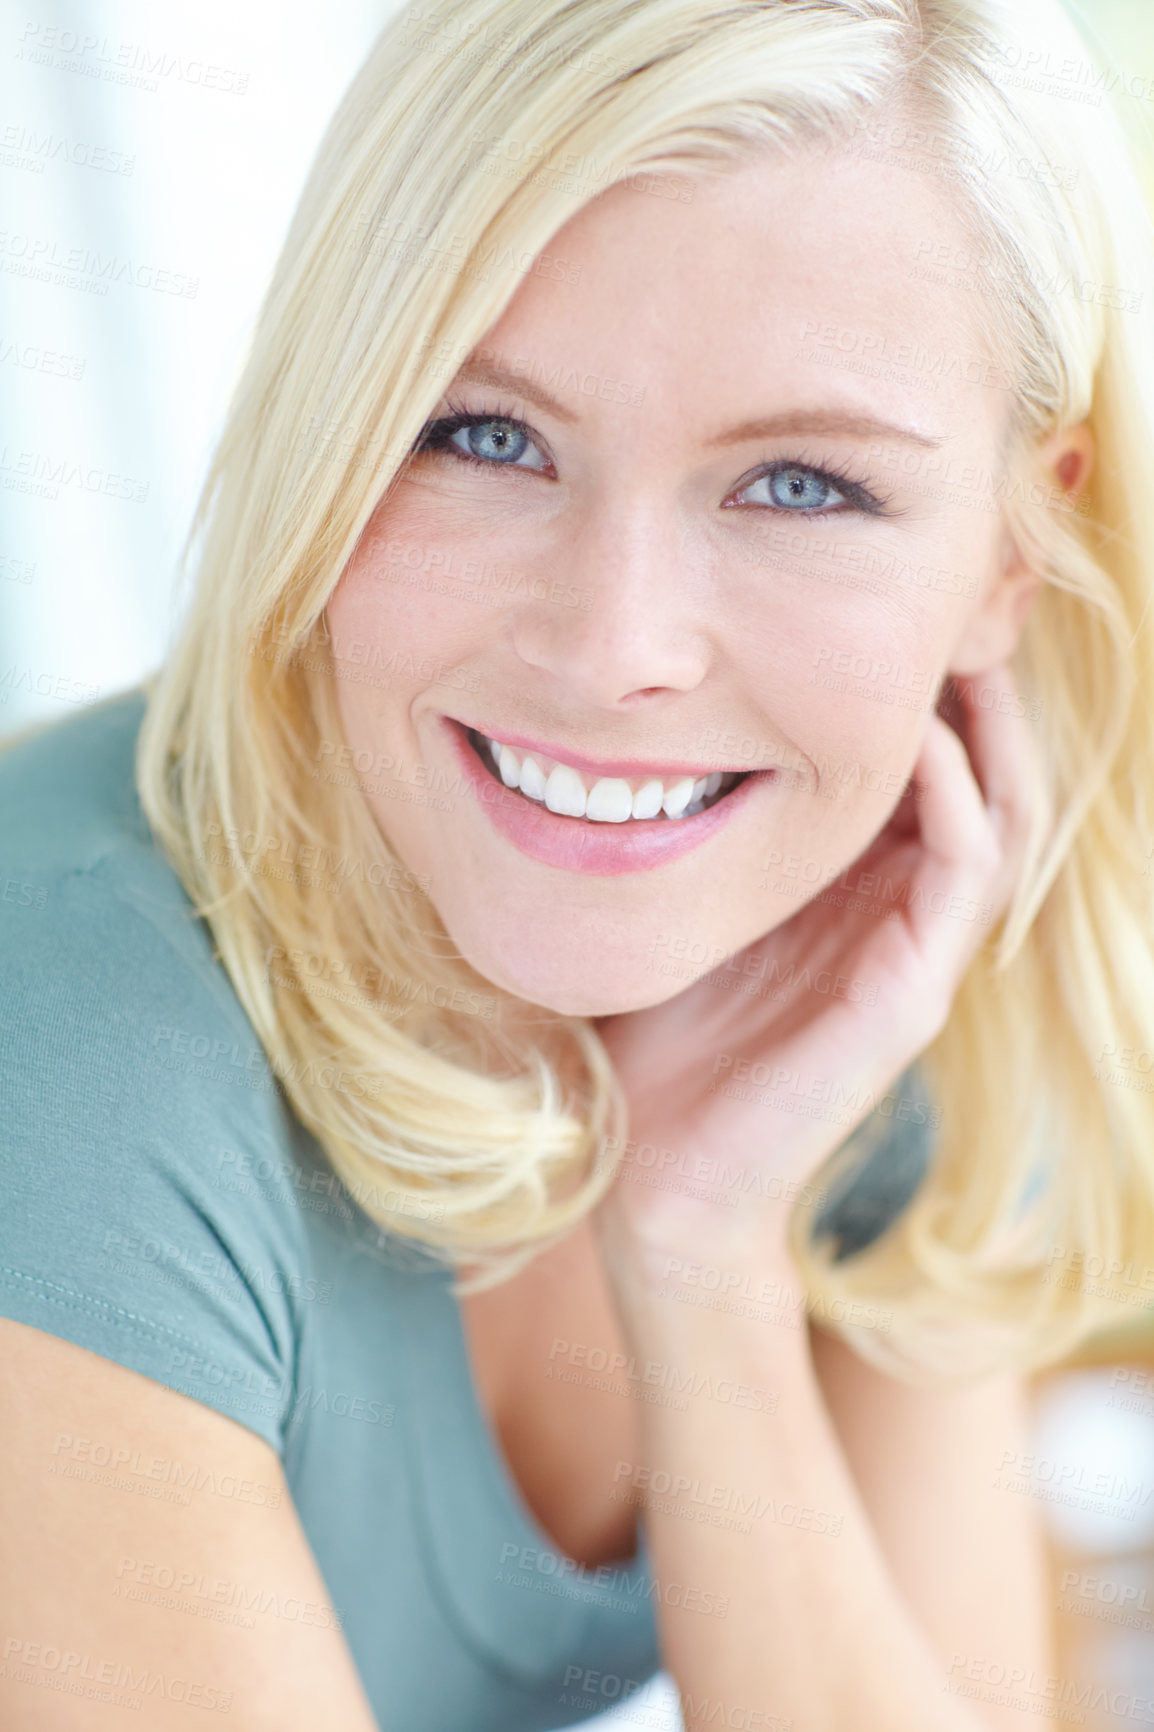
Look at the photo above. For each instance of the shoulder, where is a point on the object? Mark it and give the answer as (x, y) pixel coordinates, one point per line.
(132, 1090)
(106, 971)
(66, 789)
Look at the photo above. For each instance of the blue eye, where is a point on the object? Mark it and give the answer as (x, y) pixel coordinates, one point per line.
(793, 488)
(500, 441)
(493, 441)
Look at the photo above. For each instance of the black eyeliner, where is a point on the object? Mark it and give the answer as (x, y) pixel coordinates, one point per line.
(434, 435)
(433, 432)
(854, 492)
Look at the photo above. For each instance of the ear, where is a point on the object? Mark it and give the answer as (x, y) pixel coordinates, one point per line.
(991, 632)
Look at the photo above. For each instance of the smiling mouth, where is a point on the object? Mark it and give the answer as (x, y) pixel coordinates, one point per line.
(605, 799)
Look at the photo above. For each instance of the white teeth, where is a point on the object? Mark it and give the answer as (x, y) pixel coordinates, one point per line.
(647, 800)
(532, 779)
(565, 792)
(610, 800)
(678, 797)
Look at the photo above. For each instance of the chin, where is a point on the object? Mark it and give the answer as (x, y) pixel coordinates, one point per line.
(570, 999)
(575, 985)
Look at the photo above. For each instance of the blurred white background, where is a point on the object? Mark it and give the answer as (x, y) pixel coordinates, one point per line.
(150, 158)
(158, 151)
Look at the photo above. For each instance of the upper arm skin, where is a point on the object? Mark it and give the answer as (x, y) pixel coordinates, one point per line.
(80, 1535)
(969, 1558)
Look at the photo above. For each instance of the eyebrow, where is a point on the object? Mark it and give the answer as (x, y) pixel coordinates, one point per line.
(821, 421)
(796, 421)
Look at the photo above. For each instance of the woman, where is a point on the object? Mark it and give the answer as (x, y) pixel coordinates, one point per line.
(659, 723)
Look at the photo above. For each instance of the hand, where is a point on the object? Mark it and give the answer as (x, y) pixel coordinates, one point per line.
(815, 1063)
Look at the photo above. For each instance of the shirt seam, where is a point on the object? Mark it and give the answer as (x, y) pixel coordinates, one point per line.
(102, 1310)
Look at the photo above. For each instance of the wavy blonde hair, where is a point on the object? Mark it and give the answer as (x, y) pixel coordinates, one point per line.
(491, 122)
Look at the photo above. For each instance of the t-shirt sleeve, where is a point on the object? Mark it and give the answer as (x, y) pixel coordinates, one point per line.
(893, 1148)
(132, 1091)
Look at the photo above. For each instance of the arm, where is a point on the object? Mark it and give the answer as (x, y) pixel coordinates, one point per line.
(818, 1635)
(924, 1462)
(95, 1624)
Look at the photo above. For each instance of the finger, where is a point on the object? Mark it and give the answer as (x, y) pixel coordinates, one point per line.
(1003, 751)
(953, 818)
(949, 903)
(1006, 762)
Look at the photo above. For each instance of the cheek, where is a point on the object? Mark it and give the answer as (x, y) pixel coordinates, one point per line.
(855, 695)
(378, 652)
(362, 611)
(855, 683)
(403, 615)
(867, 708)
(388, 592)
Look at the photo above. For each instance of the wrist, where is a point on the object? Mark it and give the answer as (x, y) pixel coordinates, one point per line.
(644, 1242)
(739, 1286)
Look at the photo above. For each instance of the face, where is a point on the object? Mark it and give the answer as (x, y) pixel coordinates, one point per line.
(728, 509)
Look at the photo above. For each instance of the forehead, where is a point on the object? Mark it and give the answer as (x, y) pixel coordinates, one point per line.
(808, 271)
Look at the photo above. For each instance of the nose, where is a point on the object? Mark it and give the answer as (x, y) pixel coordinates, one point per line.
(624, 612)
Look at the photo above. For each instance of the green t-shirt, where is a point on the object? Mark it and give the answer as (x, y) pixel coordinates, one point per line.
(163, 1207)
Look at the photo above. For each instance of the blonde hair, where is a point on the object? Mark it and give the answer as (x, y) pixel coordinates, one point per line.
(487, 125)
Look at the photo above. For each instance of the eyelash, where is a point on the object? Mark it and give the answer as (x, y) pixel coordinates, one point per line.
(435, 436)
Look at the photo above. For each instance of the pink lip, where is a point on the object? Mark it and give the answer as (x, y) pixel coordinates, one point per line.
(603, 766)
(581, 845)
